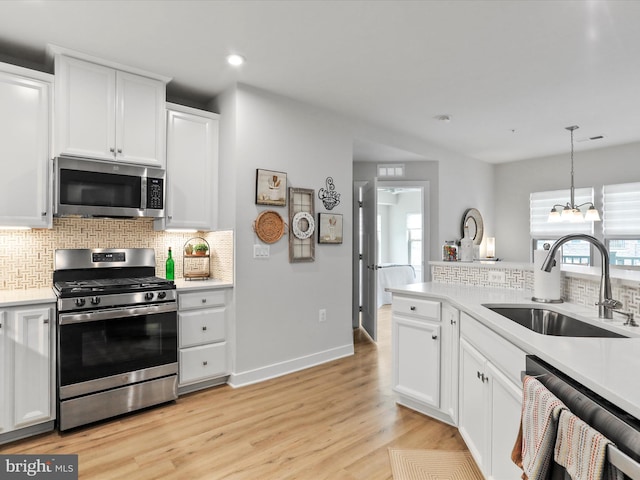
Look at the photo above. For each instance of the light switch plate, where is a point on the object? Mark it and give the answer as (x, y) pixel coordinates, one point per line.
(260, 251)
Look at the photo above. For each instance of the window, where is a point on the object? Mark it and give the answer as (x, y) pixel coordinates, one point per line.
(391, 170)
(576, 252)
(414, 238)
(621, 223)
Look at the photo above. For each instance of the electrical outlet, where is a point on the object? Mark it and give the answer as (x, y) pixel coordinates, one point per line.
(496, 277)
(322, 315)
(260, 251)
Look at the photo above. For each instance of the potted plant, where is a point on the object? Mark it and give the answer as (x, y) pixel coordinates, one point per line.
(201, 249)
(188, 249)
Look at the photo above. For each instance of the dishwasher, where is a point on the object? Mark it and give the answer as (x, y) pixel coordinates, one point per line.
(618, 426)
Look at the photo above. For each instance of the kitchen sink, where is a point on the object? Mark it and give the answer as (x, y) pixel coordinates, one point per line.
(548, 322)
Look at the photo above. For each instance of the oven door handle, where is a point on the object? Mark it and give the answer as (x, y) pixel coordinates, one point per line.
(110, 313)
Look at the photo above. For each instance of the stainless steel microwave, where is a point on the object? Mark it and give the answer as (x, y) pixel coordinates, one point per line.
(91, 188)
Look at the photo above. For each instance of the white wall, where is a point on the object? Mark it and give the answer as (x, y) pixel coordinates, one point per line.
(277, 302)
(516, 180)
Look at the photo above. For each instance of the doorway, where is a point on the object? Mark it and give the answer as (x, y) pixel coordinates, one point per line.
(392, 243)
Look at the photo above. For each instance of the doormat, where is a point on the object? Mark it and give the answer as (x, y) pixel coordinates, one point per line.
(433, 465)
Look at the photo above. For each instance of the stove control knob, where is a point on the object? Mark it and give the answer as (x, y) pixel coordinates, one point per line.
(162, 295)
(80, 302)
(95, 300)
(148, 296)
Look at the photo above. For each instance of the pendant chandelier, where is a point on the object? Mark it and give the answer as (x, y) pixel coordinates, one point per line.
(570, 212)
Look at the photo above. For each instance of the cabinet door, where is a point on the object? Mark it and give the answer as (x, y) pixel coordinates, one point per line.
(85, 109)
(506, 401)
(473, 404)
(450, 360)
(140, 128)
(30, 336)
(24, 136)
(4, 364)
(192, 166)
(416, 360)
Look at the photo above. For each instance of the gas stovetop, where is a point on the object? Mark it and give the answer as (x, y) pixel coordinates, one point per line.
(73, 288)
(86, 279)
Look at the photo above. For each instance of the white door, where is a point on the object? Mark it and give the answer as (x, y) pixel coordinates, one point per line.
(416, 360)
(140, 120)
(369, 259)
(29, 332)
(473, 398)
(506, 401)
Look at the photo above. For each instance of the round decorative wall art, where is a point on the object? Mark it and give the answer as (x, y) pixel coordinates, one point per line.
(269, 226)
(303, 225)
(473, 221)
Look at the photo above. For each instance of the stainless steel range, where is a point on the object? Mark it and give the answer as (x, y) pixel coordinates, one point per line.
(117, 334)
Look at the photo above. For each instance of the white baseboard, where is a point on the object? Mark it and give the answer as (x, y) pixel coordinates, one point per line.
(283, 368)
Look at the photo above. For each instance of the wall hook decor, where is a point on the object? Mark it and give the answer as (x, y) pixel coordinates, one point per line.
(330, 198)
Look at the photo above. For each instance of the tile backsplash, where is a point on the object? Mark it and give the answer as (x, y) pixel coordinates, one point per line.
(520, 277)
(26, 257)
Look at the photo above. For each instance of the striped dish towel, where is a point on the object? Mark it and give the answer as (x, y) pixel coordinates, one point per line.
(582, 450)
(540, 412)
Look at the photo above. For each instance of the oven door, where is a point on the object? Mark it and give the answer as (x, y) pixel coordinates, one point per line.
(108, 348)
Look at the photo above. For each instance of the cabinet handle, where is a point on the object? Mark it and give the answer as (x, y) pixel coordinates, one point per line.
(412, 308)
(44, 214)
(112, 150)
(434, 336)
(204, 300)
(204, 363)
(169, 217)
(45, 321)
(120, 150)
(453, 322)
(204, 329)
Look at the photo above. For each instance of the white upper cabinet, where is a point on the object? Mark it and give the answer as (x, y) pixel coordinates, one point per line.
(108, 113)
(192, 169)
(25, 96)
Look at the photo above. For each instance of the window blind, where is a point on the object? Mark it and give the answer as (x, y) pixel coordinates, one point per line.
(541, 204)
(621, 209)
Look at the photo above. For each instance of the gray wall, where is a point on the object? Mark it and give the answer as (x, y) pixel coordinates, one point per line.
(516, 180)
(277, 302)
(275, 327)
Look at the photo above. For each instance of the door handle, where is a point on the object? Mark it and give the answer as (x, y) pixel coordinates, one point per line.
(434, 336)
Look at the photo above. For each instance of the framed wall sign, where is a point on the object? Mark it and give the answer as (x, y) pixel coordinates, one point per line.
(330, 228)
(302, 225)
(271, 188)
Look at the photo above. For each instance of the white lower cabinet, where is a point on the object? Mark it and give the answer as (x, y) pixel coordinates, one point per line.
(489, 398)
(27, 373)
(202, 332)
(424, 356)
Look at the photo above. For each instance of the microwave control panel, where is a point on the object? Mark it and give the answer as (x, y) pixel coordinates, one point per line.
(155, 189)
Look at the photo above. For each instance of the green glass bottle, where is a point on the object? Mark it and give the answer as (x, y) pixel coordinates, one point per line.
(169, 267)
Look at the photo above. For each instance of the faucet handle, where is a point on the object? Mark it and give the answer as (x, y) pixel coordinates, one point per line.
(611, 303)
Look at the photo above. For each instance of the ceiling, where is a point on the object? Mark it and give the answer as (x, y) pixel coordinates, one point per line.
(511, 74)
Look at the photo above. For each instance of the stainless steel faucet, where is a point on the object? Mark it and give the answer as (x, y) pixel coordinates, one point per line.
(606, 304)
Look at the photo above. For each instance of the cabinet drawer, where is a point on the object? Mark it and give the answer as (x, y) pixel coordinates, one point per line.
(203, 299)
(202, 326)
(201, 363)
(417, 306)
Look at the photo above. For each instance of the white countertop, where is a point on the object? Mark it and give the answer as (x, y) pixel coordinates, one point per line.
(186, 285)
(29, 296)
(33, 296)
(608, 366)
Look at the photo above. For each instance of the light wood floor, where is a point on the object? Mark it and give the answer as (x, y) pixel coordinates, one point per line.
(335, 421)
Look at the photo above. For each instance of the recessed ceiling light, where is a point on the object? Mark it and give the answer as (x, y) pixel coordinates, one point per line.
(235, 59)
(443, 118)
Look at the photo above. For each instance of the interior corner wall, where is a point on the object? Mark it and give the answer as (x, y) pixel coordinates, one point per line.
(277, 327)
(516, 180)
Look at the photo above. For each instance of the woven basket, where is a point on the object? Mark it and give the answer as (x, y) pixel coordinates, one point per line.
(269, 226)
